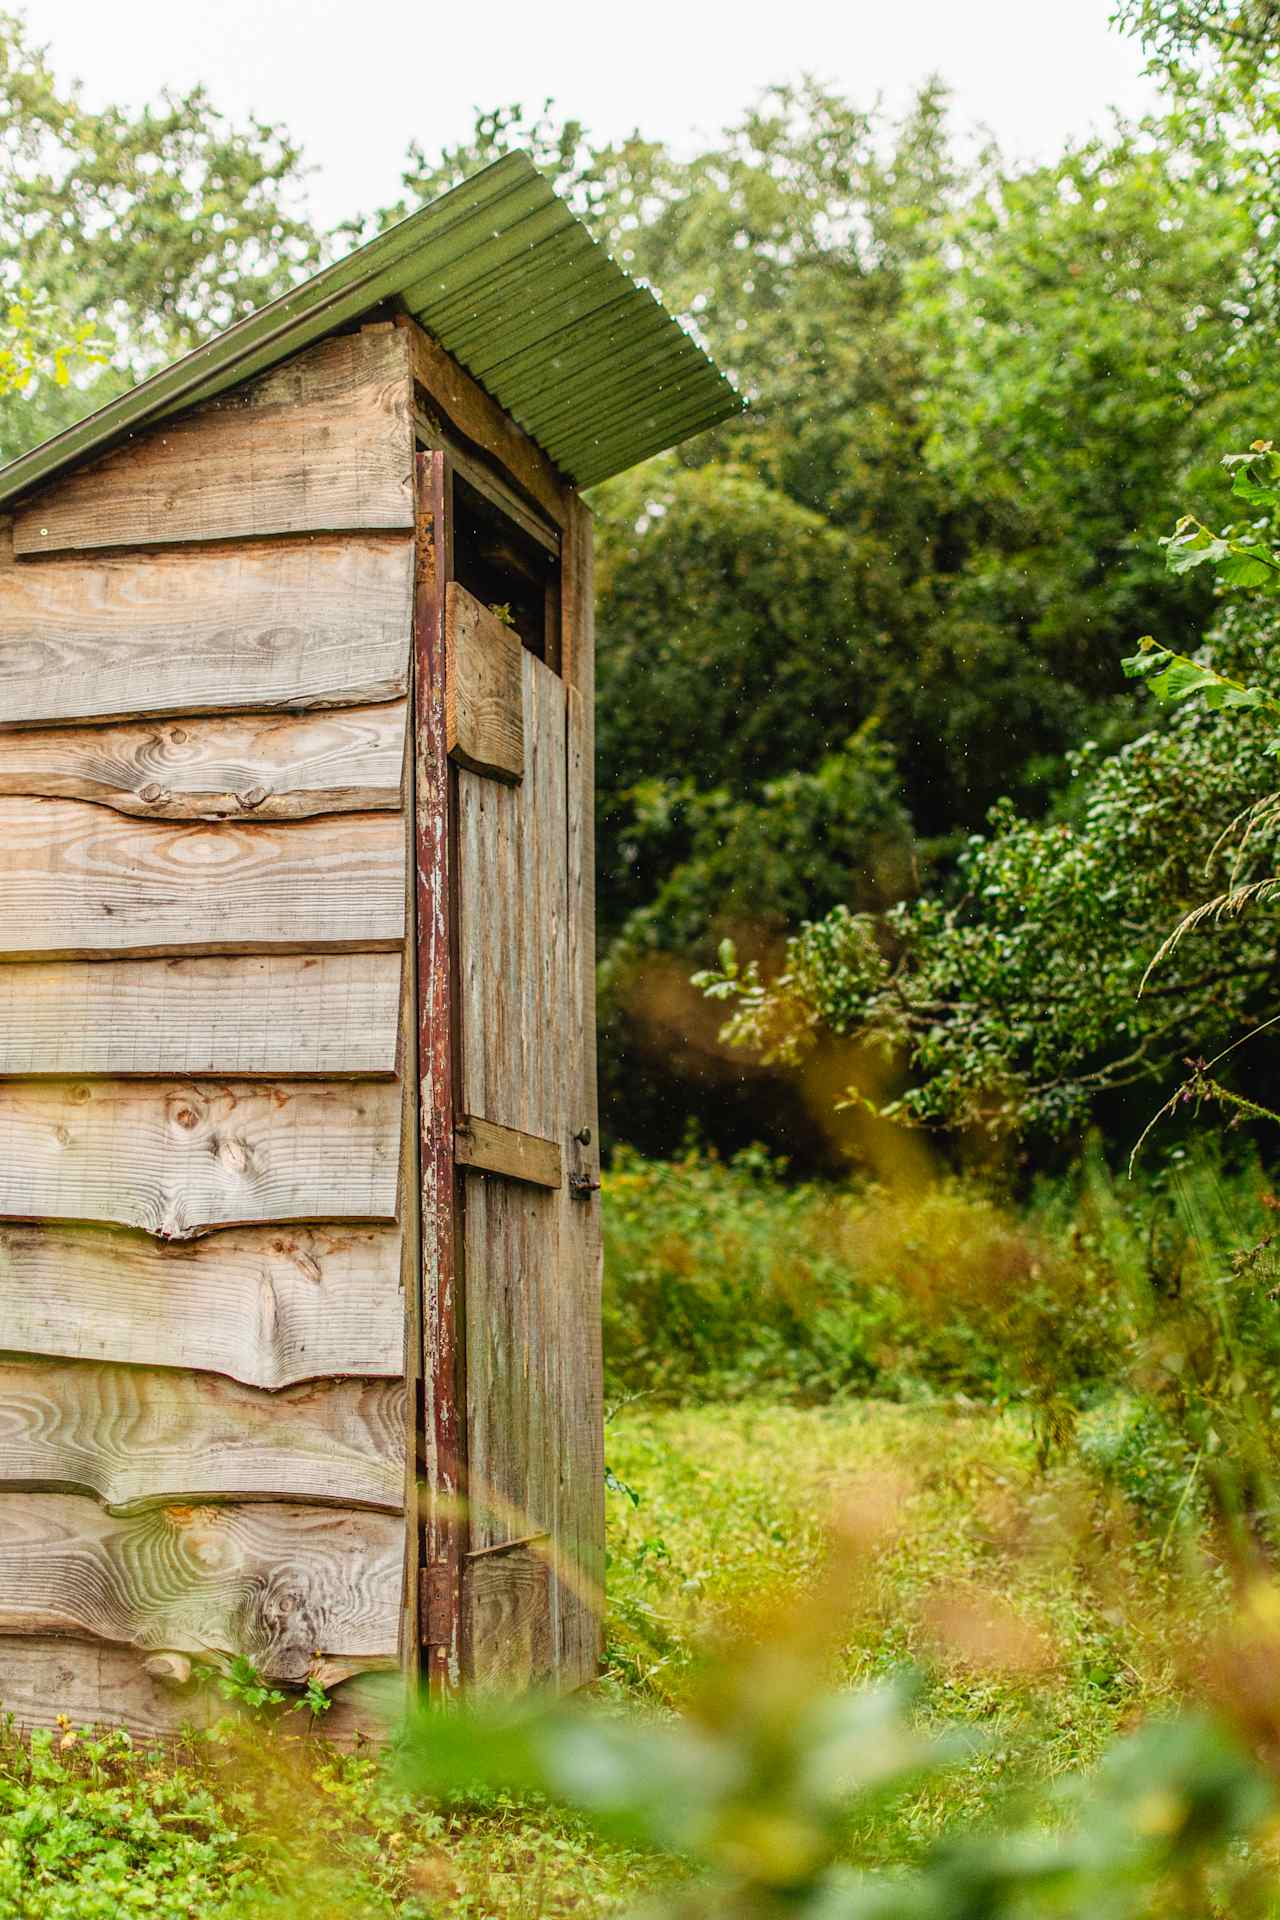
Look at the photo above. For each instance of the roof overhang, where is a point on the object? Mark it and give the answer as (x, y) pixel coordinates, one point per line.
(503, 275)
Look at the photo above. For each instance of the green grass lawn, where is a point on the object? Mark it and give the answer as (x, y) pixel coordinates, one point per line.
(1035, 1621)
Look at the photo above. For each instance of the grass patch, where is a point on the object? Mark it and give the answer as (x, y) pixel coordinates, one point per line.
(1033, 1615)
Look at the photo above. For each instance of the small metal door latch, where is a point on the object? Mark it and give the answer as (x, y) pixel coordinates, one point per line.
(583, 1136)
(581, 1187)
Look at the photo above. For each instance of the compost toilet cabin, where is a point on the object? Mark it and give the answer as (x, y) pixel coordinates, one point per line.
(299, 1237)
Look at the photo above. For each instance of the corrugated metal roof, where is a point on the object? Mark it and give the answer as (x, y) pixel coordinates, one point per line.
(503, 275)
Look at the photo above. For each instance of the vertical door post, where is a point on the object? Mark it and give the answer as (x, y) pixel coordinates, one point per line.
(444, 1521)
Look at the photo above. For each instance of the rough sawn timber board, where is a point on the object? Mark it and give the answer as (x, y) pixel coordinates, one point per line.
(278, 1015)
(323, 442)
(519, 1156)
(320, 622)
(264, 1305)
(578, 1395)
(484, 712)
(285, 1585)
(267, 767)
(79, 880)
(135, 1437)
(91, 1684)
(176, 1157)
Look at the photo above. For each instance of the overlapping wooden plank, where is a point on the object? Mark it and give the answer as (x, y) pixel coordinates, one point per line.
(271, 767)
(276, 1015)
(324, 441)
(284, 1584)
(155, 1697)
(265, 1306)
(135, 1437)
(176, 1157)
(503, 1150)
(77, 880)
(484, 712)
(322, 622)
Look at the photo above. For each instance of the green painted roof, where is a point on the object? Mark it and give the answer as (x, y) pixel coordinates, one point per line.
(509, 282)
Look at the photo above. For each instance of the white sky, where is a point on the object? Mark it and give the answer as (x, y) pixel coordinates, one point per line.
(355, 80)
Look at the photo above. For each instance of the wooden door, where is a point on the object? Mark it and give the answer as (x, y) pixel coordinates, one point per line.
(511, 1224)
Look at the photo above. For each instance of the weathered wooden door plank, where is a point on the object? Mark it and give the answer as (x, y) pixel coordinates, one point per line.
(505, 1150)
(81, 880)
(322, 622)
(266, 1306)
(281, 1016)
(286, 1585)
(134, 1437)
(484, 710)
(265, 767)
(323, 442)
(178, 1157)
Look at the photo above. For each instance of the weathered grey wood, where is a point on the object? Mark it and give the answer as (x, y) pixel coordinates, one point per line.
(450, 391)
(484, 716)
(322, 622)
(267, 767)
(281, 1583)
(509, 1613)
(93, 1684)
(264, 1305)
(77, 880)
(579, 1510)
(323, 442)
(279, 1015)
(520, 1156)
(512, 908)
(176, 1157)
(512, 924)
(512, 1247)
(135, 1437)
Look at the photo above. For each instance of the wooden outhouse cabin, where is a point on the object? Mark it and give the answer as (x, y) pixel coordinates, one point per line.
(299, 1244)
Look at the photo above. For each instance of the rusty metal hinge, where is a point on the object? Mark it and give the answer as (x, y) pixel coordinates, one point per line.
(435, 1606)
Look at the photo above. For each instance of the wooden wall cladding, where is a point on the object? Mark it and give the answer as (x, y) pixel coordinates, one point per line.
(265, 1306)
(77, 879)
(132, 1437)
(178, 1157)
(281, 623)
(285, 1584)
(323, 442)
(278, 1015)
(257, 765)
(43, 1676)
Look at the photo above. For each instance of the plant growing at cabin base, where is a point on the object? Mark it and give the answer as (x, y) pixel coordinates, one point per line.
(1079, 955)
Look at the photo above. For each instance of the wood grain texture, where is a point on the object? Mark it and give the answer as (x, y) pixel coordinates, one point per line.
(484, 708)
(264, 1306)
(278, 1015)
(284, 1584)
(512, 905)
(474, 414)
(322, 622)
(509, 1613)
(177, 1157)
(323, 442)
(443, 1438)
(519, 1156)
(43, 1676)
(269, 767)
(579, 1509)
(79, 880)
(135, 1437)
